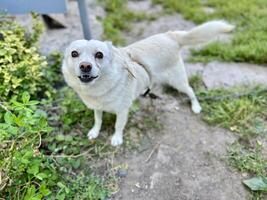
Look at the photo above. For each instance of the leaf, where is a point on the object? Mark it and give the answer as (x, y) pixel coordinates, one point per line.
(41, 176)
(257, 183)
(42, 123)
(2, 52)
(30, 193)
(60, 137)
(25, 97)
(60, 196)
(62, 186)
(9, 119)
(68, 138)
(76, 163)
(33, 102)
(13, 130)
(34, 169)
(44, 190)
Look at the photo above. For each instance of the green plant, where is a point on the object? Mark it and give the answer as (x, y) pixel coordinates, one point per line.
(242, 110)
(52, 73)
(118, 18)
(36, 160)
(196, 82)
(27, 170)
(247, 159)
(23, 168)
(21, 66)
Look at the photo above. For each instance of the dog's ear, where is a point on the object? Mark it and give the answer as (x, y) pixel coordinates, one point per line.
(110, 48)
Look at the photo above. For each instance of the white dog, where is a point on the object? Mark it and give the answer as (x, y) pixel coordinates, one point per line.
(109, 79)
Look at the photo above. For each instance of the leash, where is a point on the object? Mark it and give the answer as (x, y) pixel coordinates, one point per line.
(150, 94)
(211, 98)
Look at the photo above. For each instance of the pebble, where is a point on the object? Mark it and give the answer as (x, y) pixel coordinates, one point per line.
(122, 173)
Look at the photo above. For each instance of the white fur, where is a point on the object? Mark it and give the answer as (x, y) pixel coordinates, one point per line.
(125, 73)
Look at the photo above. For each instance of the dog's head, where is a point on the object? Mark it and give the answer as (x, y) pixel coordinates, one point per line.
(88, 60)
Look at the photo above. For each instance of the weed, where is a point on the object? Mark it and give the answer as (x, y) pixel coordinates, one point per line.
(247, 159)
(196, 82)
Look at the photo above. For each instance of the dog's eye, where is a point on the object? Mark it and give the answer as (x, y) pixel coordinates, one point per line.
(99, 55)
(74, 54)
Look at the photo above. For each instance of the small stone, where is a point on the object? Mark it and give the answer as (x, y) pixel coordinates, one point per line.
(137, 185)
(122, 172)
(245, 174)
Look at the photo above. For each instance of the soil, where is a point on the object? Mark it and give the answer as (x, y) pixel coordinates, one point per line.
(186, 160)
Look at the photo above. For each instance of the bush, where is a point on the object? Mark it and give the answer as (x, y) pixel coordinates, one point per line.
(21, 66)
(26, 172)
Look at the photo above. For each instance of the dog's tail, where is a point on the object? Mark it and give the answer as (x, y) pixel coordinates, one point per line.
(202, 33)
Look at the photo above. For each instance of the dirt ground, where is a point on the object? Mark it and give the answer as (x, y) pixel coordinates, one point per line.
(186, 157)
(187, 160)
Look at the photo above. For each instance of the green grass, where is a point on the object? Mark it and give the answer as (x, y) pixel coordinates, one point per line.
(249, 43)
(119, 18)
(196, 82)
(250, 160)
(242, 110)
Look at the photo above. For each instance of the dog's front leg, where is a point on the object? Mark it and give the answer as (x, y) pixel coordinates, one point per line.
(94, 132)
(121, 119)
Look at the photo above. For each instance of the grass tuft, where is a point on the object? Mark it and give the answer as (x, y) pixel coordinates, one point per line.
(250, 160)
(119, 18)
(242, 110)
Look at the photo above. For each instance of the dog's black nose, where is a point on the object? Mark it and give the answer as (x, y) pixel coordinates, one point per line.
(85, 67)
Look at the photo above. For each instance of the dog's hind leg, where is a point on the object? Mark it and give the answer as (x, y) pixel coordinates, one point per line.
(94, 132)
(177, 78)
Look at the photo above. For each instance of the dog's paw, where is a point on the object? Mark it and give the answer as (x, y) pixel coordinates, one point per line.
(93, 133)
(196, 108)
(116, 140)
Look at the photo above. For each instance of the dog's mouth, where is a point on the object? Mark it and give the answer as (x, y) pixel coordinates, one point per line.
(86, 78)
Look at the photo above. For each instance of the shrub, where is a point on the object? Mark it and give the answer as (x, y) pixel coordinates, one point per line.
(26, 172)
(21, 66)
